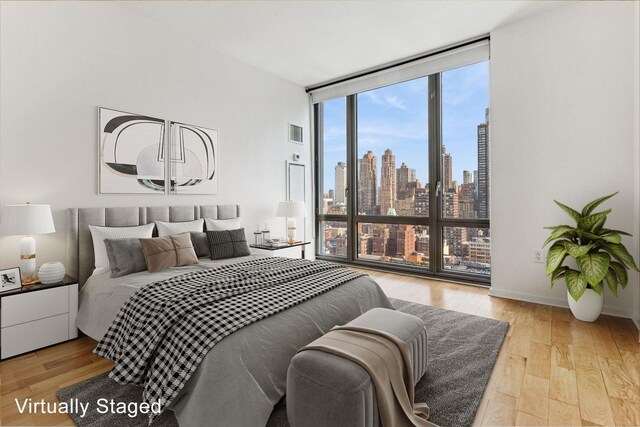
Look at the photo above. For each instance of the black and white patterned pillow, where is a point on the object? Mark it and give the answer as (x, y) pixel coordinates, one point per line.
(228, 244)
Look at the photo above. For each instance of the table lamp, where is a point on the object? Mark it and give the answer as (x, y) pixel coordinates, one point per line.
(27, 220)
(291, 210)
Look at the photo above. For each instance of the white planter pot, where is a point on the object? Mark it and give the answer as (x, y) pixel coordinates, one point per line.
(51, 272)
(588, 306)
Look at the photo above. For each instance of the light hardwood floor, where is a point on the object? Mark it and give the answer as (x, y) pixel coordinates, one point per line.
(552, 369)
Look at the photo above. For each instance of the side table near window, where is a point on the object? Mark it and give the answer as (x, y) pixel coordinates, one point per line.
(282, 246)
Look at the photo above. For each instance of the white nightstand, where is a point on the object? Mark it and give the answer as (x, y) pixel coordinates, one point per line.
(37, 316)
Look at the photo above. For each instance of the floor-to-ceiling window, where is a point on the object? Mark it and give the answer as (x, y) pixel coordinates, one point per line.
(402, 171)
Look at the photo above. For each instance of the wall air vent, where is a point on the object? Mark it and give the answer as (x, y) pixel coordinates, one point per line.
(295, 134)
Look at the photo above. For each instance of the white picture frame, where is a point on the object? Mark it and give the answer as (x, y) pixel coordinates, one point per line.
(10, 279)
(194, 159)
(131, 153)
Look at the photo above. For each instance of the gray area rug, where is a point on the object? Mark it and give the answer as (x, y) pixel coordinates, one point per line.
(462, 350)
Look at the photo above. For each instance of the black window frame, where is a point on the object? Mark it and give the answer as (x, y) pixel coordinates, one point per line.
(435, 221)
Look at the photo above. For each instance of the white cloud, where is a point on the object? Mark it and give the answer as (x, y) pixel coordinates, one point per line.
(395, 102)
(385, 100)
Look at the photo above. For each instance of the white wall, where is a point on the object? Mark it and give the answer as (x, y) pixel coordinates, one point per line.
(563, 110)
(60, 61)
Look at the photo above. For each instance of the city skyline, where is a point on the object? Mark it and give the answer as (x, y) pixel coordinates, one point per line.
(399, 192)
(396, 191)
(396, 117)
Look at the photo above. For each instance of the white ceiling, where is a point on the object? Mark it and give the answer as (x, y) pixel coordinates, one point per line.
(308, 42)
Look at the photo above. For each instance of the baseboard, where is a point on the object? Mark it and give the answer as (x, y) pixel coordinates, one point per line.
(555, 302)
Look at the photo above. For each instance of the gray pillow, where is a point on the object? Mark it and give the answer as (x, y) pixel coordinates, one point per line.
(125, 256)
(200, 243)
(228, 244)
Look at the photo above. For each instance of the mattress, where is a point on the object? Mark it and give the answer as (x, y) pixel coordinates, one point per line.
(244, 375)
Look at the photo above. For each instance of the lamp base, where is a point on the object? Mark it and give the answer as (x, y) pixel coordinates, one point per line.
(291, 230)
(28, 261)
(31, 280)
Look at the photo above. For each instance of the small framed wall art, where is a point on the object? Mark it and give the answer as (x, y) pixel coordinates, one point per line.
(10, 279)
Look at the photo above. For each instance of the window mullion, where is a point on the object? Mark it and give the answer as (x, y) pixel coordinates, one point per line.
(435, 175)
(352, 176)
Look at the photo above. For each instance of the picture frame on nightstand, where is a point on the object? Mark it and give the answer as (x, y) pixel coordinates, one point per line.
(10, 279)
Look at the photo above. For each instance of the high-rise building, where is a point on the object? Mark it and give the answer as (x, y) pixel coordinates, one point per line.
(405, 240)
(404, 177)
(387, 182)
(450, 204)
(484, 168)
(368, 184)
(479, 249)
(341, 183)
(379, 240)
(422, 201)
(332, 196)
(455, 236)
(422, 244)
(475, 188)
(341, 245)
(466, 205)
(447, 171)
(365, 244)
(467, 177)
(405, 206)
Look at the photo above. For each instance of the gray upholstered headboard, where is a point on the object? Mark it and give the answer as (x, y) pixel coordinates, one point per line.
(80, 245)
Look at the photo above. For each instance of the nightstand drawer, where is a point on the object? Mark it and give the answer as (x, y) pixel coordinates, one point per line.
(31, 335)
(31, 306)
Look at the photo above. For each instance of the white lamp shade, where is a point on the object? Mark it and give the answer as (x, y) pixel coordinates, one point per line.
(291, 209)
(27, 219)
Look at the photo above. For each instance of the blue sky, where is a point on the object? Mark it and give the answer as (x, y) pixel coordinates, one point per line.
(396, 117)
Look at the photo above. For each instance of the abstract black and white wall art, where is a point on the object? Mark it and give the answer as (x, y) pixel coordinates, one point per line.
(132, 153)
(194, 159)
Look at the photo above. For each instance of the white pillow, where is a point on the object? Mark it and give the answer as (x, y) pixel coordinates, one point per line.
(99, 234)
(171, 228)
(222, 224)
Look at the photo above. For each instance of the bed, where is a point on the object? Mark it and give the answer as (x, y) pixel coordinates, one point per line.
(243, 376)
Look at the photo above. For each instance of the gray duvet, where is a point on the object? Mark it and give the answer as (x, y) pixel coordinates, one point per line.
(244, 375)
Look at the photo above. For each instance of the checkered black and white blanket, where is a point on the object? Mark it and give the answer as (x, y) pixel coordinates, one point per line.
(165, 329)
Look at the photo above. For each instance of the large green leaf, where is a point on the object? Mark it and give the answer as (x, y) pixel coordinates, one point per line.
(558, 274)
(598, 225)
(555, 227)
(589, 207)
(572, 213)
(557, 233)
(555, 256)
(621, 273)
(576, 283)
(576, 250)
(594, 266)
(598, 288)
(620, 253)
(609, 231)
(612, 280)
(611, 237)
(591, 222)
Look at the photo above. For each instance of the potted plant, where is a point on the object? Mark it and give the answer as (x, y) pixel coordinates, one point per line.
(599, 255)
